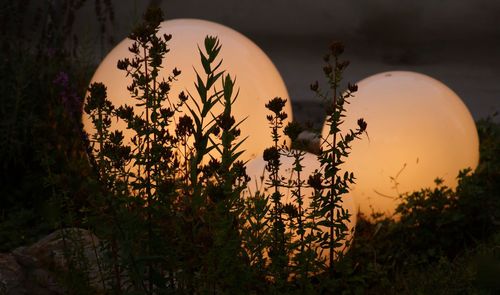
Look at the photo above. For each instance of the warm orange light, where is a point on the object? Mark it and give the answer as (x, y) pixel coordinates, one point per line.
(256, 170)
(257, 78)
(418, 129)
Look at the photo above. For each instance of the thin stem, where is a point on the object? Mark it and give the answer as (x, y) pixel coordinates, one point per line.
(148, 169)
(332, 184)
(300, 202)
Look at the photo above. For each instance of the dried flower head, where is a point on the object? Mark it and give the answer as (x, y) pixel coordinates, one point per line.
(362, 125)
(276, 105)
(336, 48)
(182, 96)
(292, 130)
(185, 126)
(314, 86)
(271, 154)
(315, 181)
(352, 87)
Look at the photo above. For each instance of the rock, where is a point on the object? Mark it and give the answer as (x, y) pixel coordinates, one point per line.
(41, 268)
(310, 141)
(12, 275)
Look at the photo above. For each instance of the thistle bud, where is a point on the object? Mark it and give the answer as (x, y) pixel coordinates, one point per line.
(276, 105)
(182, 96)
(352, 87)
(327, 69)
(314, 86)
(164, 87)
(315, 181)
(123, 64)
(362, 125)
(176, 72)
(337, 48)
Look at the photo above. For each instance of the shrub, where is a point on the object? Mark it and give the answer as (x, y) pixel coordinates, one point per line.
(170, 204)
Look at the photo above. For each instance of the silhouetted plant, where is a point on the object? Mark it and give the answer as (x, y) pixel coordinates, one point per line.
(305, 259)
(42, 87)
(278, 251)
(181, 189)
(295, 233)
(44, 165)
(336, 147)
(167, 203)
(438, 228)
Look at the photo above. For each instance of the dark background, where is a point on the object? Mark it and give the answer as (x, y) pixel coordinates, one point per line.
(454, 41)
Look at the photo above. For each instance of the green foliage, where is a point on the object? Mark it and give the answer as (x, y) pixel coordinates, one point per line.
(438, 234)
(168, 205)
(337, 145)
(42, 154)
(171, 198)
(278, 249)
(293, 235)
(189, 185)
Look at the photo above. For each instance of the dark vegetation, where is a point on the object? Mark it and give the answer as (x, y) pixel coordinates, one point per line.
(176, 221)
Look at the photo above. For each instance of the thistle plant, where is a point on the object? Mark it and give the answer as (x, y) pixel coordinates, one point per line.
(298, 234)
(138, 179)
(173, 207)
(336, 148)
(304, 256)
(167, 202)
(173, 191)
(278, 251)
(292, 130)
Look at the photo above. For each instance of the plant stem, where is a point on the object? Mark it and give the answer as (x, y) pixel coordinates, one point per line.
(332, 184)
(148, 169)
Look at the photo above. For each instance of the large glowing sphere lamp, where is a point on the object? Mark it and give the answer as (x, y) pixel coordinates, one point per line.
(418, 130)
(257, 78)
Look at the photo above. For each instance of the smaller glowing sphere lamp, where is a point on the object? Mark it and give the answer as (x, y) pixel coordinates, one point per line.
(259, 175)
(418, 130)
(257, 78)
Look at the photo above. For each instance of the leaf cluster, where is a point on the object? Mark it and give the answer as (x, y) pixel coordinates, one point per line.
(439, 234)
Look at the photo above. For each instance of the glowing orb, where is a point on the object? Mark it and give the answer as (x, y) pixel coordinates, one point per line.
(257, 78)
(418, 130)
(259, 175)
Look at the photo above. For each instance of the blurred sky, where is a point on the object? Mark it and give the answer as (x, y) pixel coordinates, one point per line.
(454, 41)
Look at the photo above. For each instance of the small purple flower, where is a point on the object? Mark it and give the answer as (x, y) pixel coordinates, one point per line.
(62, 79)
(71, 102)
(50, 52)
